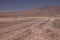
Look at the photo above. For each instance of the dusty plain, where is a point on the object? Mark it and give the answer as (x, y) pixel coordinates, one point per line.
(37, 24)
(30, 28)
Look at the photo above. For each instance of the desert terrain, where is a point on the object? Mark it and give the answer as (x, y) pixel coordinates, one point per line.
(39, 24)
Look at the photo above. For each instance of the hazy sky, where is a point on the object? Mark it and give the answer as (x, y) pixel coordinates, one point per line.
(19, 5)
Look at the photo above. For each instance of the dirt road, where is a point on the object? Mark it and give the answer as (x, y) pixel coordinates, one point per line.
(32, 28)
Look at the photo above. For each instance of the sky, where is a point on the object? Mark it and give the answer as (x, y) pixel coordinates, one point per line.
(20, 5)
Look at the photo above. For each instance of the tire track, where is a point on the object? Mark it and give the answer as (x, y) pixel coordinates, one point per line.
(11, 33)
(22, 38)
(14, 32)
(5, 34)
(7, 24)
(43, 23)
(2, 30)
(37, 28)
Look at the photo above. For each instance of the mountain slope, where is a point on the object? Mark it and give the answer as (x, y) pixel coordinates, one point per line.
(44, 11)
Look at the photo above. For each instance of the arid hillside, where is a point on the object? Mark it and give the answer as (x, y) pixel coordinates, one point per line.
(44, 11)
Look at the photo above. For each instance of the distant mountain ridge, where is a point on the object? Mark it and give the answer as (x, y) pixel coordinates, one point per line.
(44, 11)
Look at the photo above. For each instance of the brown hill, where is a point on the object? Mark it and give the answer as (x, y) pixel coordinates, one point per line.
(44, 11)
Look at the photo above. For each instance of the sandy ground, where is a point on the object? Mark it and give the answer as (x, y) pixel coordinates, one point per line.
(30, 28)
